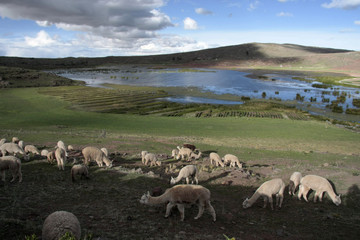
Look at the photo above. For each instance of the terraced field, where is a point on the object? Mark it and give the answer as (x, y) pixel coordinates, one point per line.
(134, 100)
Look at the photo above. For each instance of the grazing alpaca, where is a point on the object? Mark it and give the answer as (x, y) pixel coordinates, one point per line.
(184, 153)
(195, 156)
(186, 172)
(319, 185)
(233, 160)
(266, 190)
(294, 182)
(143, 153)
(13, 164)
(180, 195)
(174, 153)
(60, 156)
(214, 157)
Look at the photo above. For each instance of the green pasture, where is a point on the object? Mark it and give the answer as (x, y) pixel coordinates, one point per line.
(42, 117)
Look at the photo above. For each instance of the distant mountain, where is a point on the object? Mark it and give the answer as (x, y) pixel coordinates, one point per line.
(251, 55)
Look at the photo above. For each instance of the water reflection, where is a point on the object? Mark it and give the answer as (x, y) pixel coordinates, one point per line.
(275, 86)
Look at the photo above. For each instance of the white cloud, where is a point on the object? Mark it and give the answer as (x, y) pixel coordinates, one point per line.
(108, 18)
(42, 39)
(253, 5)
(357, 22)
(284, 14)
(344, 4)
(190, 24)
(203, 11)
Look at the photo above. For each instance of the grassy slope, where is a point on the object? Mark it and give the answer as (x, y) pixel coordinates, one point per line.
(27, 110)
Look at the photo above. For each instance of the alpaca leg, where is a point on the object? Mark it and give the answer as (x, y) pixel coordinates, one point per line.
(271, 202)
(320, 196)
(211, 210)
(3, 175)
(187, 180)
(305, 192)
(201, 210)
(196, 180)
(281, 200)
(14, 174)
(315, 196)
(265, 202)
(277, 199)
(168, 209)
(300, 192)
(182, 211)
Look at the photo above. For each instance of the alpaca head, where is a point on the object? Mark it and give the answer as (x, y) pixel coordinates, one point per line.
(172, 181)
(145, 198)
(246, 203)
(337, 200)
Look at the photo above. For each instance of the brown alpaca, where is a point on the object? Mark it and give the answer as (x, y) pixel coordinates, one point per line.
(180, 195)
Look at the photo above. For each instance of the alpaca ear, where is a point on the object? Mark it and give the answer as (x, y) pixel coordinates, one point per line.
(148, 194)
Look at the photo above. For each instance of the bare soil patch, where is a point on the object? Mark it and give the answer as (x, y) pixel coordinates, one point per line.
(107, 205)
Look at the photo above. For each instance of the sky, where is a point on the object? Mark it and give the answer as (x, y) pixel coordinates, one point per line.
(98, 28)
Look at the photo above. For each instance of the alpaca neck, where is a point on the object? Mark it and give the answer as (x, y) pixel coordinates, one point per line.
(253, 198)
(331, 193)
(158, 200)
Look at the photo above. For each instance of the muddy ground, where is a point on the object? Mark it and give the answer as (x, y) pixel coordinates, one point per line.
(107, 205)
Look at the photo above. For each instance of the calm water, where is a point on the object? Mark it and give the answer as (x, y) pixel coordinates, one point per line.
(216, 81)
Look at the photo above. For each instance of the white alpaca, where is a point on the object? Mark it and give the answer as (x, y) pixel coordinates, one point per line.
(31, 149)
(44, 152)
(180, 195)
(59, 223)
(93, 153)
(143, 153)
(184, 153)
(233, 160)
(60, 156)
(215, 159)
(61, 144)
(11, 148)
(174, 153)
(13, 164)
(319, 185)
(186, 172)
(267, 190)
(150, 157)
(294, 182)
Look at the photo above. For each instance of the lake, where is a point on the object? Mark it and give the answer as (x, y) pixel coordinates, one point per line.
(275, 86)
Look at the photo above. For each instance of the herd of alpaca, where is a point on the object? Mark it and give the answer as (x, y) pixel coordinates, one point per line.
(178, 195)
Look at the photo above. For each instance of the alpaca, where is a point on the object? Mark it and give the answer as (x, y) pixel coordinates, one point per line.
(186, 172)
(319, 185)
(294, 182)
(79, 169)
(60, 156)
(174, 153)
(13, 164)
(143, 154)
(266, 190)
(180, 195)
(184, 153)
(214, 157)
(233, 160)
(195, 156)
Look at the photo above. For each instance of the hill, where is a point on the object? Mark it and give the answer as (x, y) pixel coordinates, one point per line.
(251, 55)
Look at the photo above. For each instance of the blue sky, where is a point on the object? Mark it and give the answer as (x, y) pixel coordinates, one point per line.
(94, 28)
